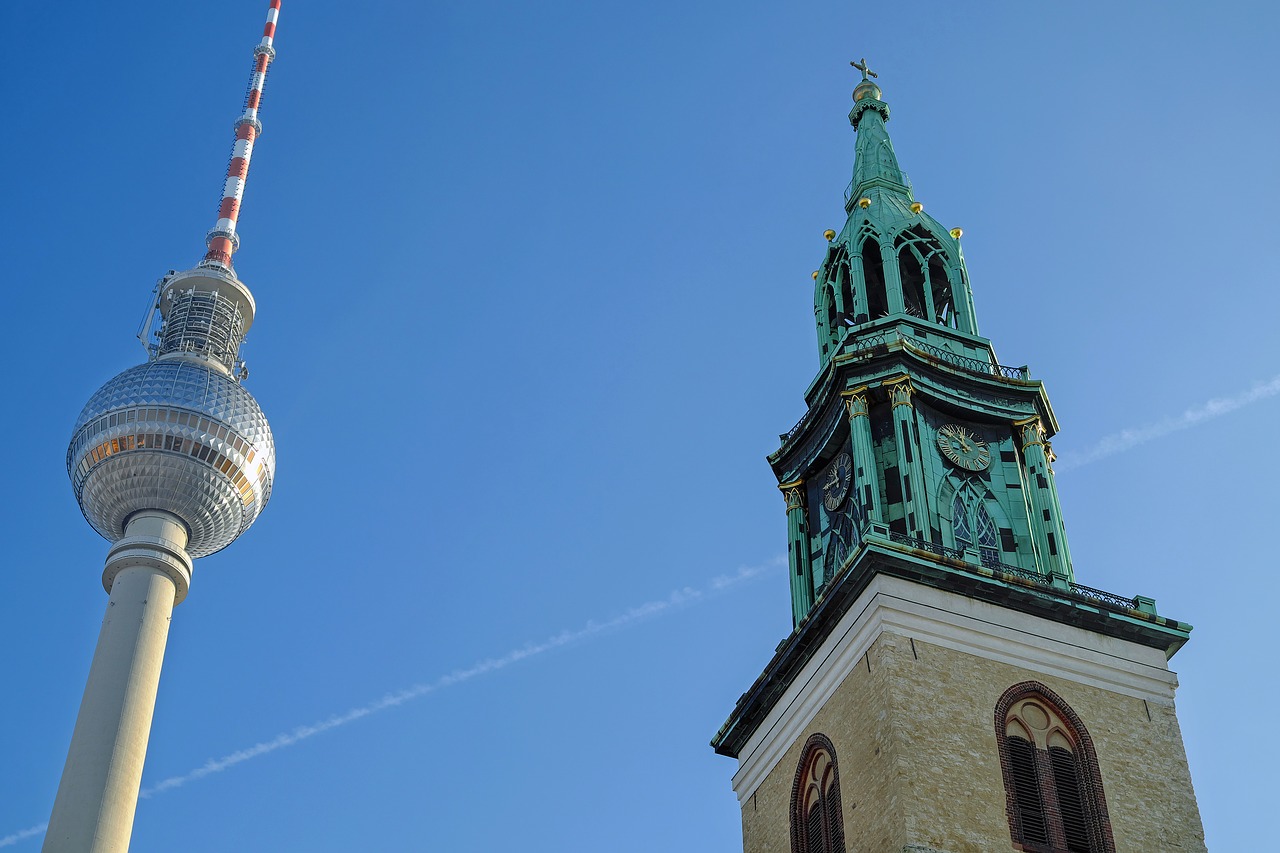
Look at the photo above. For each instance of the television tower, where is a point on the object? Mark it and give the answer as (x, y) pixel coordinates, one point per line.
(170, 461)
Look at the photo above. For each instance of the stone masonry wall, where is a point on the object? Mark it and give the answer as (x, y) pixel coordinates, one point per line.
(919, 767)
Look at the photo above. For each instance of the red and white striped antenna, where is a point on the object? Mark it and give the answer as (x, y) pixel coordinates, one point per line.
(223, 240)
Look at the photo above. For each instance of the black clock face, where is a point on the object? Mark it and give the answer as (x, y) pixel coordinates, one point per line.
(835, 482)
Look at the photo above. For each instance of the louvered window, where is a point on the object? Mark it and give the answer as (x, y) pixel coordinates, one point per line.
(813, 835)
(1054, 795)
(1066, 781)
(817, 825)
(835, 822)
(1026, 791)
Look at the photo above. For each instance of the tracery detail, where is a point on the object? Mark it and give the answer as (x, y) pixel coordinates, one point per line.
(1053, 788)
(817, 822)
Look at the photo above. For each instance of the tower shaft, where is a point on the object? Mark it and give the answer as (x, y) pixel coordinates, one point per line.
(170, 460)
(147, 573)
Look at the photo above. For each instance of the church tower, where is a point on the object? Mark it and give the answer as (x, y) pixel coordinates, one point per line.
(948, 685)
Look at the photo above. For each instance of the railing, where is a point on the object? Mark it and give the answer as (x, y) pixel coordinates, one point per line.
(860, 347)
(926, 545)
(1104, 597)
(869, 344)
(964, 362)
(996, 565)
(1098, 596)
(863, 346)
(848, 191)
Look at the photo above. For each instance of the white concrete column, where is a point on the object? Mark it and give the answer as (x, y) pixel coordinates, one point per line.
(147, 573)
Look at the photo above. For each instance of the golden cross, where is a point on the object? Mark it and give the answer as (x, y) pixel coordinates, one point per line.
(863, 67)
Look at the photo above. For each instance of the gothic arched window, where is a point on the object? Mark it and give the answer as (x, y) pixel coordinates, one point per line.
(833, 311)
(926, 286)
(911, 274)
(1053, 790)
(944, 306)
(971, 525)
(846, 292)
(873, 278)
(817, 825)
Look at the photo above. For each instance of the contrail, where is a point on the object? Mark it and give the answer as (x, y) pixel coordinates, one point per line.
(10, 840)
(679, 598)
(683, 597)
(1130, 438)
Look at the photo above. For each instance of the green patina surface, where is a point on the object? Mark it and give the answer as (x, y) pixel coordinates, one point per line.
(902, 365)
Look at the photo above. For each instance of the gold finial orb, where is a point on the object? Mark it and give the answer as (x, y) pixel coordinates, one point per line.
(957, 233)
(864, 202)
(866, 89)
(815, 275)
(916, 207)
(829, 234)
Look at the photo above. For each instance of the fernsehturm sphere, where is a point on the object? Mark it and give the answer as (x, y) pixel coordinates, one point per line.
(170, 461)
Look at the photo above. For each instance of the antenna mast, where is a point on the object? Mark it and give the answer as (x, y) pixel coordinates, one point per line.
(222, 240)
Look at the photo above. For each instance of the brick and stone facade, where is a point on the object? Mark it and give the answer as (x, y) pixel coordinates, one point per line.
(906, 688)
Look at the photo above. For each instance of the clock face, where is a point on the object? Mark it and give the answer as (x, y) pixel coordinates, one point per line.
(836, 480)
(963, 447)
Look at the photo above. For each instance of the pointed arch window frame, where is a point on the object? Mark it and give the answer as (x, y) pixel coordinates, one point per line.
(972, 500)
(926, 247)
(873, 308)
(1046, 778)
(830, 810)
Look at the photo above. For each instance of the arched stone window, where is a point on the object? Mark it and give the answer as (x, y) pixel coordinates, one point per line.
(817, 825)
(1053, 790)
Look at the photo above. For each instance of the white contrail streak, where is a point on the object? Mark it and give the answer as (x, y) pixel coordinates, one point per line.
(1130, 438)
(10, 840)
(677, 599)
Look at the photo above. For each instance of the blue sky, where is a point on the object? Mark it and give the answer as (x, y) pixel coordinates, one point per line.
(534, 303)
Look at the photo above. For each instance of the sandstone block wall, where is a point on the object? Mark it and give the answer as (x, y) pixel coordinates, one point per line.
(913, 728)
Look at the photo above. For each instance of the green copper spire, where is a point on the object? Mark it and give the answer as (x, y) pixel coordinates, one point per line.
(915, 431)
(920, 457)
(876, 164)
(891, 261)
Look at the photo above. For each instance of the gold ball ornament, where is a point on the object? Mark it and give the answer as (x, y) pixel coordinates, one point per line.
(916, 207)
(829, 234)
(957, 233)
(864, 202)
